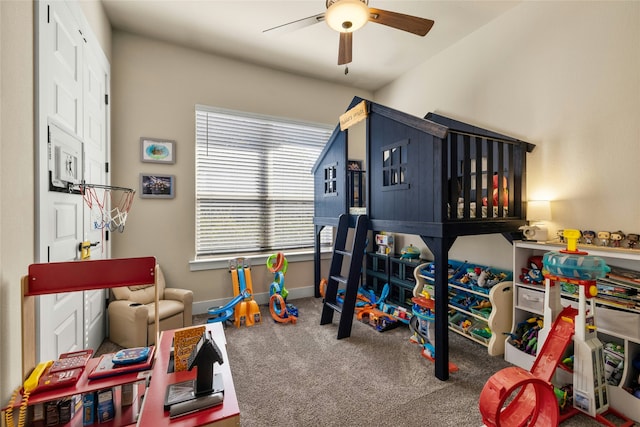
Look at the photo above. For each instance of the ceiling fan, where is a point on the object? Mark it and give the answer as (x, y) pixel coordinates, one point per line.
(347, 16)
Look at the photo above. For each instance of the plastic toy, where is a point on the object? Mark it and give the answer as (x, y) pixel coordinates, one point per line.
(604, 237)
(410, 252)
(280, 311)
(632, 240)
(225, 312)
(560, 235)
(588, 236)
(242, 307)
(374, 312)
(515, 397)
(421, 325)
(616, 238)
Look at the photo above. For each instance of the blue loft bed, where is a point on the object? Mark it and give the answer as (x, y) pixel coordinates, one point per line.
(434, 177)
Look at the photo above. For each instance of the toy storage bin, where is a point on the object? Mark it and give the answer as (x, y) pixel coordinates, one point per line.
(456, 320)
(475, 331)
(622, 322)
(530, 299)
(455, 267)
(484, 312)
(463, 301)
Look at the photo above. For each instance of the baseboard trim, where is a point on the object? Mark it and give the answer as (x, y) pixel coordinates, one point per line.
(202, 307)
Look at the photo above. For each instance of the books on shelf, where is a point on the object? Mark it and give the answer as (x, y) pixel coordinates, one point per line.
(625, 275)
(620, 288)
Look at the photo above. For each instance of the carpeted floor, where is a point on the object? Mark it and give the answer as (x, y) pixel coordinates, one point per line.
(301, 375)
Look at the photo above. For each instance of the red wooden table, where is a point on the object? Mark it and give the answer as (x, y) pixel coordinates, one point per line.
(153, 413)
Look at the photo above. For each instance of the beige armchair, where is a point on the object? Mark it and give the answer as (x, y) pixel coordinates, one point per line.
(132, 312)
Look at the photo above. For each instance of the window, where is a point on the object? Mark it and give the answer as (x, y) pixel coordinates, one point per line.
(394, 166)
(330, 180)
(254, 187)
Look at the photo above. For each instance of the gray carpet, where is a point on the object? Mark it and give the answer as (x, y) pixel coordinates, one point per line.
(301, 375)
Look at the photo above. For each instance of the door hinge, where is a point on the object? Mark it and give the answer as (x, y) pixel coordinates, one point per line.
(48, 14)
(106, 235)
(106, 99)
(48, 142)
(106, 167)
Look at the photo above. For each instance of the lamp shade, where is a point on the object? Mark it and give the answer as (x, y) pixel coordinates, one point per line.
(539, 210)
(346, 16)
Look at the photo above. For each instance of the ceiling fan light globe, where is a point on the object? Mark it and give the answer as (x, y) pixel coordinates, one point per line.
(347, 16)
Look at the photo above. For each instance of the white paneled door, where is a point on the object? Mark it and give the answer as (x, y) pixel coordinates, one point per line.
(71, 147)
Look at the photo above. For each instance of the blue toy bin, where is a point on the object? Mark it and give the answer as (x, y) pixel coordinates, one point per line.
(575, 266)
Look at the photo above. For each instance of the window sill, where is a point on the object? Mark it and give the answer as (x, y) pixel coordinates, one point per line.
(258, 259)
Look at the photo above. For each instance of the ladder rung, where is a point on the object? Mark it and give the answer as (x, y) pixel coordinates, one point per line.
(339, 279)
(334, 306)
(345, 253)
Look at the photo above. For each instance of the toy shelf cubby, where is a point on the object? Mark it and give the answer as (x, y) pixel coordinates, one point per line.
(394, 270)
(614, 324)
(497, 319)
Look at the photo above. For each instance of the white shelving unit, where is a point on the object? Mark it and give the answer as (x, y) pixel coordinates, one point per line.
(499, 320)
(614, 324)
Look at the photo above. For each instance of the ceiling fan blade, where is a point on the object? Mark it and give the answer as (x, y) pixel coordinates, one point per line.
(400, 21)
(344, 50)
(295, 25)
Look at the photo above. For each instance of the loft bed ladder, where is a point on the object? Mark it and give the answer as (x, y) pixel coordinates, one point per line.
(352, 281)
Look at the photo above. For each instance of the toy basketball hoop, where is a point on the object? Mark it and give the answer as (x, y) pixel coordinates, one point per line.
(109, 205)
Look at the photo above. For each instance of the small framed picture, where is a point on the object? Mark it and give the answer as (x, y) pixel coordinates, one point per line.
(154, 186)
(154, 150)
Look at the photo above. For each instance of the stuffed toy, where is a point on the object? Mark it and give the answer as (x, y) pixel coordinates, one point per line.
(505, 192)
(532, 274)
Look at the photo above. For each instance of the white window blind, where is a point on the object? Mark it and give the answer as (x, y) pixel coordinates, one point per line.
(254, 187)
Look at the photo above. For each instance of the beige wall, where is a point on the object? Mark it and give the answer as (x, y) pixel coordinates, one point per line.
(16, 180)
(564, 76)
(155, 87)
(17, 209)
(94, 13)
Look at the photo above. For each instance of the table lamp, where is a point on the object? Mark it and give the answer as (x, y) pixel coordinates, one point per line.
(538, 211)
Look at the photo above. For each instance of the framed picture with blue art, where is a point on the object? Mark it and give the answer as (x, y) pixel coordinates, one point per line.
(155, 186)
(154, 150)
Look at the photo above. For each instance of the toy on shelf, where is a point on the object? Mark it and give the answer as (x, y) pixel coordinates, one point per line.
(632, 240)
(616, 238)
(604, 237)
(516, 397)
(532, 274)
(525, 337)
(386, 243)
(410, 252)
(278, 307)
(588, 236)
(242, 307)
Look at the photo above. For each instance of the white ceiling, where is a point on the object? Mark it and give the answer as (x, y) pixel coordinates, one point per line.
(234, 29)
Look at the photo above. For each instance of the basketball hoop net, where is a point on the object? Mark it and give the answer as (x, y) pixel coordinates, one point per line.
(109, 205)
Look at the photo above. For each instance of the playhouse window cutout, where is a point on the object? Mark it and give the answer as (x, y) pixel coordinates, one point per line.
(394, 166)
(330, 180)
